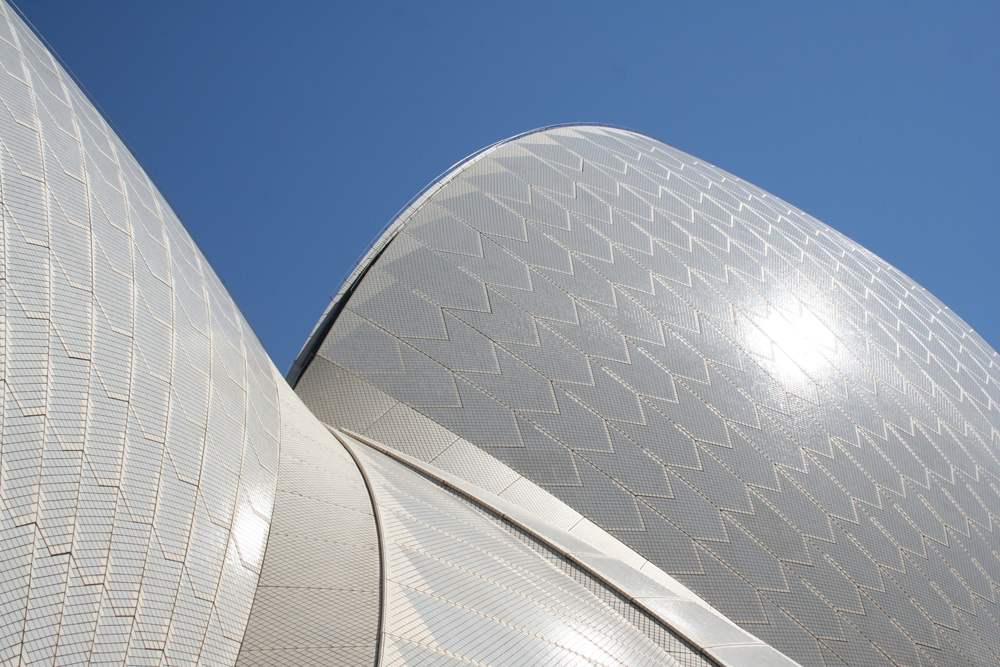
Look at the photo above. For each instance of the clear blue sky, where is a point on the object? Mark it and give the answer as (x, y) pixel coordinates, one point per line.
(287, 134)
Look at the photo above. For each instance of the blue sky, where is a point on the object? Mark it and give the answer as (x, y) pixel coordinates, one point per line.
(287, 134)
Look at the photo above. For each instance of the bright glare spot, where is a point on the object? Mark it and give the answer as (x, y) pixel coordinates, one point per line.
(250, 533)
(804, 340)
(576, 641)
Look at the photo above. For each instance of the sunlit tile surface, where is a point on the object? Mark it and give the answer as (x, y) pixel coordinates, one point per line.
(676, 370)
(756, 404)
(318, 599)
(140, 422)
(463, 586)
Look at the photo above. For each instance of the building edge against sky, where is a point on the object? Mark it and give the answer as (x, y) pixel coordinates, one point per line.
(747, 399)
(150, 450)
(587, 382)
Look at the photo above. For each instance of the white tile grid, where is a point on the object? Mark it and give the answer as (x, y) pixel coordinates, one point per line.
(340, 397)
(140, 417)
(461, 587)
(318, 599)
(741, 271)
(577, 546)
(681, 651)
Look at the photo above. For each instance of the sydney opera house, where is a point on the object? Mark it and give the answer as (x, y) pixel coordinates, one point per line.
(587, 401)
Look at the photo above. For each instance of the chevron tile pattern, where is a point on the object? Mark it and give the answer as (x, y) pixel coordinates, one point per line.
(318, 600)
(140, 421)
(761, 407)
(463, 587)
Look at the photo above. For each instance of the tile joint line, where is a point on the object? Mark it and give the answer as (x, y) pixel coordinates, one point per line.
(430, 472)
